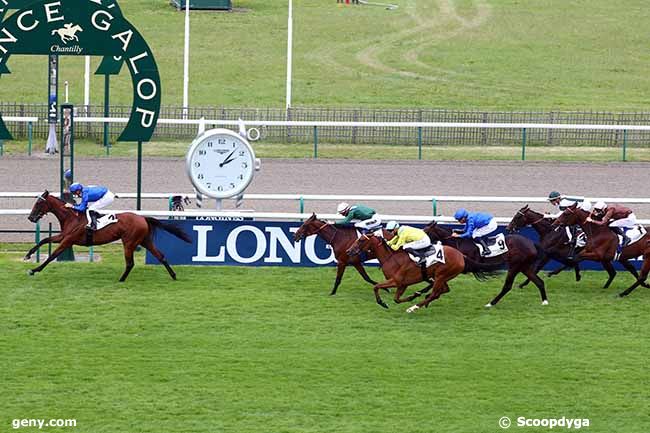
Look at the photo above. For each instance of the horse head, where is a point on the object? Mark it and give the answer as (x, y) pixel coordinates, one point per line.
(40, 208)
(307, 228)
(436, 233)
(520, 220)
(364, 243)
(569, 217)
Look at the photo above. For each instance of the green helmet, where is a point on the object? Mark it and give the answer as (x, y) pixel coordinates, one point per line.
(554, 195)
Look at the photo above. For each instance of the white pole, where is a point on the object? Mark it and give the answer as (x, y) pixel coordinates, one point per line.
(66, 92)
(289, 52)
(186, 59)
(87, 85)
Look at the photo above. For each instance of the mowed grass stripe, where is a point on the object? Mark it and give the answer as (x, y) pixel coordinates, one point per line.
(266, 349)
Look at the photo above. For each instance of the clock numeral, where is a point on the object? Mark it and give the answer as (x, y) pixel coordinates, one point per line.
(220, 188)
(242, 153)
(200, 176)
(197, 164)
(209, 185)
(202, 152)
(221, 141)
(240, 177)
(232, 185)
(209, 144)
(244, 165)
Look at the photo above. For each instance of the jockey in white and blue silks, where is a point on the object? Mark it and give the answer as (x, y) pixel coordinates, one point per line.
(93, 198)
(478, 225)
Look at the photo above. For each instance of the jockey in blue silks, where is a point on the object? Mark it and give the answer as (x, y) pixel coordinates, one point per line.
(93, 198)
(478, 225)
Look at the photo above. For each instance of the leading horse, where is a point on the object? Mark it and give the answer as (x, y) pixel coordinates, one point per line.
(340, 238)
(522, 256)
(400, 271)
(602, 245)
(131, 229)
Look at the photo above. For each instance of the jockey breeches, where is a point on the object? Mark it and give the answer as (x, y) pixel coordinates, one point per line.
(106, 200)
(418, 245)
(368, 224)
(485, 230)
(627, 222)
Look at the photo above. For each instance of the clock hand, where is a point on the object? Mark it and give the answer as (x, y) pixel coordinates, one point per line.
(227, 160)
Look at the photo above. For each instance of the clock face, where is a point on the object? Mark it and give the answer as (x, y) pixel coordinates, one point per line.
(220, 163)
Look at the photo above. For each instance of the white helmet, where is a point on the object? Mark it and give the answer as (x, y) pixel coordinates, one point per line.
(392, 225)
(585, 206)
(600, 205)
(342, 207)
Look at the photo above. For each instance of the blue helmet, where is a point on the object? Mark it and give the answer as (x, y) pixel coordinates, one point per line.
(75, 187)
(460, 214)
(68, 174)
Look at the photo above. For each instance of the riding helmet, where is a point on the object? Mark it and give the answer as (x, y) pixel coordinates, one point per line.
(600, 205)
(554, 195)
(392, 225)
(460, 214)
(68, 174)
(75, 187)
(342, 207)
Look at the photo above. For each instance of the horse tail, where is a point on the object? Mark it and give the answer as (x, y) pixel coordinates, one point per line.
(482, 271)
(170, 228)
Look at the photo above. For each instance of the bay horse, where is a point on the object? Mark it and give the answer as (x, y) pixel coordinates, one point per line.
(131, 229)
(340, 238)
(602, 245)
(553, 241)
(522, 256)
(400, 271)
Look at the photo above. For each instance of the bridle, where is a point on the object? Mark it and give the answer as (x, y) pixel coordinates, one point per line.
(41, 213)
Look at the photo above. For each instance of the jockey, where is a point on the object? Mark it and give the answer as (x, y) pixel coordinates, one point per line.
(620, 218)
(562, 202)
(93, 198)
(363, 217)
(478, 225)
(411, 239)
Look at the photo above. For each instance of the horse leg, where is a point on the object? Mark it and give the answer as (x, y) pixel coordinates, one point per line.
(645, 269)
(632, 270)
(52, 239)
(398, 295)
(149, 245)
(610, 271)
(439, 287)
(538, 282)
(385, 285)
(362, 271)
(128, 258)
(540, 266)
(62, 246)
(340, 270)
(507, 286)
(418, 293)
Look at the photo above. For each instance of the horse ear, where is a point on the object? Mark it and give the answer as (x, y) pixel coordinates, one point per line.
(46, 193)
(525, 207)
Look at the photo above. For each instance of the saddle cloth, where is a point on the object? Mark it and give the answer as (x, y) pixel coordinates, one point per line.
(581, 238)
(434, 254)
(105, 220)
(496, 244)
(634, 234)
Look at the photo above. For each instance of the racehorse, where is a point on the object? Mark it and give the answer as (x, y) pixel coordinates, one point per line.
(131, 229)
(602, 245)
(522, 256)
(68, 32)
(340, 238)
(400, 271)
(555, 243)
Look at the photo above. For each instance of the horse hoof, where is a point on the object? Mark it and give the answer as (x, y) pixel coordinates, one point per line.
(383, 304)
(31, 272)
(488, 305)
(412, 309)
(545, 302)
(622, 295)
(27, 258)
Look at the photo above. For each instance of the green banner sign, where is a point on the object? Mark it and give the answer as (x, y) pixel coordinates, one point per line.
(87, 28)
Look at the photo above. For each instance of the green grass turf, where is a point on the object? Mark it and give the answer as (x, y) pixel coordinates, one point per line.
(461, 54)
(267, 350)
(178, 149)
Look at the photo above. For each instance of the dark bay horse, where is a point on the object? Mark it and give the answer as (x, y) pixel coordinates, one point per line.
(340, 238)
(131, 229)
(553, 240)
(400, 271)
(522, 256)
(602, 245)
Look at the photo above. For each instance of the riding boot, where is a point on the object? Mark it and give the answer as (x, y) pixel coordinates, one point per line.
(93, 220)
(572, 250)
(486, 249)
(415, 253)
(620, 232)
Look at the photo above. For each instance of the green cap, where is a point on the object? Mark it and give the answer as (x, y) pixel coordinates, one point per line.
(554, 195)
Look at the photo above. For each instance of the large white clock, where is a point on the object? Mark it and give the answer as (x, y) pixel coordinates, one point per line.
(221, 163)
